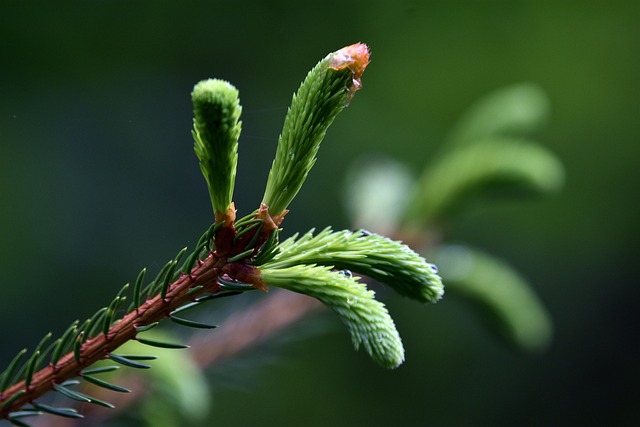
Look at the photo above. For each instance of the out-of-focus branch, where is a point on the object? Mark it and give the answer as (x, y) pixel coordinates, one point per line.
(252, 326)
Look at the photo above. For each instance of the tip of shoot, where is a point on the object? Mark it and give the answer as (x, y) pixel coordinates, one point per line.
(213, 89)
(355, 57)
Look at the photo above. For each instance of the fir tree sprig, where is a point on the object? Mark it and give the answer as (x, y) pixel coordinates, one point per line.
(235, 256)
(78, 349)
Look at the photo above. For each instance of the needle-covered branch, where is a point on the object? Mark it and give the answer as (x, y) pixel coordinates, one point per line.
(202, 278)
(238, 255)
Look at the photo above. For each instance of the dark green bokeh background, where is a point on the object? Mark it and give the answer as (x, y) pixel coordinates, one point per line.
(98, 178)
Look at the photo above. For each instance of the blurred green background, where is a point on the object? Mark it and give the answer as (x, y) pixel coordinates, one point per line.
(98, 178)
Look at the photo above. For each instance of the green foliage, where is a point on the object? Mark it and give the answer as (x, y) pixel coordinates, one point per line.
(233, 257)
(367, 319)
(516, 110)
(495, 166)
(9, 374)
(485, 155)
(303, 265)
(504, 297)
(216, 130)
(376, 193)
(180, 396)
(315, 105)
(373, 255)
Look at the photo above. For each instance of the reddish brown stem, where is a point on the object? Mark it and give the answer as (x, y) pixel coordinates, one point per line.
(205, 273)
(238, 332)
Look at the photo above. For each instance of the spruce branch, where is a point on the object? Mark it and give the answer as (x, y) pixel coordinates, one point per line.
(377, 200)
(95, 348)
(241, 330)
(238, 255)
